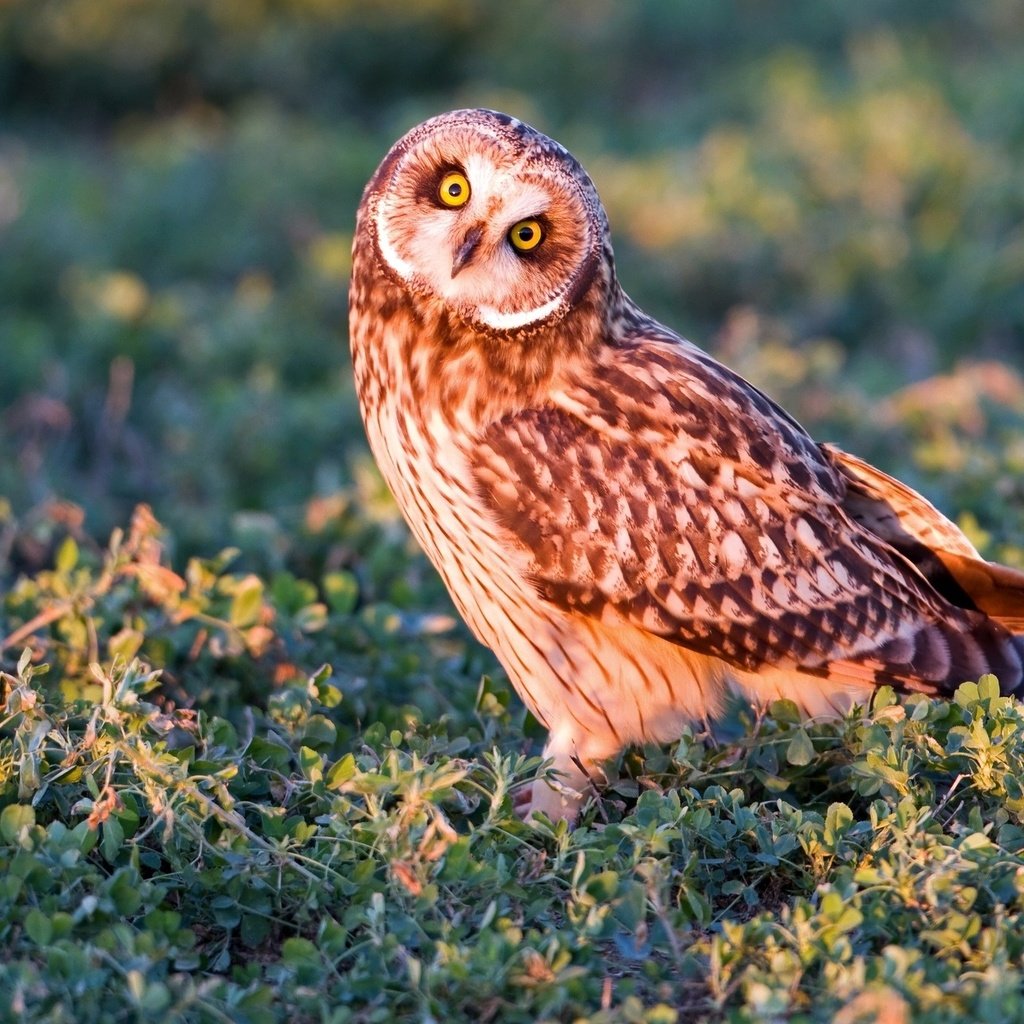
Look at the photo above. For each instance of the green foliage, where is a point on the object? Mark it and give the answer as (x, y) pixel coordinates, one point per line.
(252, 769)
(323, 854)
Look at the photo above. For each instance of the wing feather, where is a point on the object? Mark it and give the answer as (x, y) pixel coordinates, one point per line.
(671, 492)
(938, 547)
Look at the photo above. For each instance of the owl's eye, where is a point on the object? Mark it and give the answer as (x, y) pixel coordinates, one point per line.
(454, 189)
(526, 235)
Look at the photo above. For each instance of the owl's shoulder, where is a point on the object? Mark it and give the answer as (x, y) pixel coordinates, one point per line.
(654, 391)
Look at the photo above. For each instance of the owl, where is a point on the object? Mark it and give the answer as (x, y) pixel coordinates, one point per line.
(636, 531)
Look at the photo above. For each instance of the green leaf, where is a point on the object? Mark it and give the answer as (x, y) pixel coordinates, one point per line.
(785, 712)
(604, 885)
(312, 618)
(254, 930)
(67, 556)
(320, 731)
(112, 843)
(246, 602)
(800, 750)
(838, 817)
(16, 819)
(38, 927)
(299, 952)
(988, 687)
(311, 763)
(156, 998)
(967, 695)
(126, 643)
(341, 772)
(125, 892)
(342, 591)
(661, 1013)
(885, 696)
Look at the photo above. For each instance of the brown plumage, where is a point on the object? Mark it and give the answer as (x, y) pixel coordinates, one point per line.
(634, 529)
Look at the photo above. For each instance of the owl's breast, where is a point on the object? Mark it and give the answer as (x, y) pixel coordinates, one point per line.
(424, 461)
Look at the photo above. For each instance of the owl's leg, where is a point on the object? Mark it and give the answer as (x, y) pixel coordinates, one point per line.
(578, 772)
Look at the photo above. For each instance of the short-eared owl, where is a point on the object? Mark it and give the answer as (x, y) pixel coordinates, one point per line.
(635, 530)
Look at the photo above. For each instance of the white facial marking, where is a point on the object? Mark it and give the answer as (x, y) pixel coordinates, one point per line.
(500, 321)
(400, 266)
(497, 288)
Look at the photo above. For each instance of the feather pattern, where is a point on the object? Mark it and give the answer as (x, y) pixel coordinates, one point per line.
(672, 491)
(634, 529)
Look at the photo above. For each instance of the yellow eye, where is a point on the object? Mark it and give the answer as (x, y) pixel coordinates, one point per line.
(526, 235)
(454, 189)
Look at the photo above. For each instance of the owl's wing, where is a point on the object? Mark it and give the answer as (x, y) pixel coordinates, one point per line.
(670, 490)
(938, 548)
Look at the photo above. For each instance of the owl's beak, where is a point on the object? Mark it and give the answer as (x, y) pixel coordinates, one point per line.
(468, 247)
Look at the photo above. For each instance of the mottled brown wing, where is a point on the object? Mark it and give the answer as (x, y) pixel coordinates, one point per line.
(937, 547)
(894, 511)
(669, 489)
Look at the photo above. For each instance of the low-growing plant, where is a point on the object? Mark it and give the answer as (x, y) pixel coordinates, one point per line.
(314, 849)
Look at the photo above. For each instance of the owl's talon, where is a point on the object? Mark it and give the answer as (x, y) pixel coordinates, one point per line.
(553, 799)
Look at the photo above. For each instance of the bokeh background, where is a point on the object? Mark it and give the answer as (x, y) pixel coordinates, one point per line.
(828, 195)
(296, 805)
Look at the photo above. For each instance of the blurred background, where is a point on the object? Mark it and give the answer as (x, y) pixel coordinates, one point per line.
(827, 195)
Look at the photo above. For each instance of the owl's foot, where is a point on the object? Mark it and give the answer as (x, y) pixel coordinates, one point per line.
(562, 795)
(554, 799)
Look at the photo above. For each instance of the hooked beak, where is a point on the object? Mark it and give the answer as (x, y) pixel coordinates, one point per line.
(468, 247)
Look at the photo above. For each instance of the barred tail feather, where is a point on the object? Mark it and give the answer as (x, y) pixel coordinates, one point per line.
(997, 590)
(986, 631)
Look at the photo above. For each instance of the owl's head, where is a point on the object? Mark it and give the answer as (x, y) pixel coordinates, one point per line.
(490, 217)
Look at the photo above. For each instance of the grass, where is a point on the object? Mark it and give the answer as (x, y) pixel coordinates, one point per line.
(174, 843)
(252, 767)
